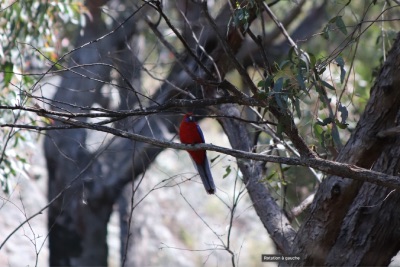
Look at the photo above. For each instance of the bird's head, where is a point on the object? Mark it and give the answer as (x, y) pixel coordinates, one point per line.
(188, 117)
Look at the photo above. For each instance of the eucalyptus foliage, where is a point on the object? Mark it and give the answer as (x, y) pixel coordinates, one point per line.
(30, 31)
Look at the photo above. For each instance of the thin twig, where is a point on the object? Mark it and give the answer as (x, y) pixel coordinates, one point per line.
(296, 211)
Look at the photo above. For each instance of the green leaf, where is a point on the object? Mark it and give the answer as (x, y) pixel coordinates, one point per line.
(263, 95)
(328, 121)
(318, 130)
(324, 122)
(279, 130)
(305, 59)
(283, 64)
(269, 82)
(227, 171)
(343, 113)
(340, 24)
(7, 68)
(322, 139)
(23, 160)
(313, 60)
(325, 32)
(341, 125)
(300, 79)
(296, 103)
(214, 159)
(332, 20)
(284, 169)
(327, 85)
(378, 39)
(28, 80)
(269, 177)
(278, 93)
(265, 84)
(340, 62)
(292, 54)
(241, 17)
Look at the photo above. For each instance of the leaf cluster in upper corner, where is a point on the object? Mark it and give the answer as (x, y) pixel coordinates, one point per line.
(27, 27)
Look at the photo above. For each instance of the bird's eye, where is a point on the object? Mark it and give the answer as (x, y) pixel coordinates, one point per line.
(190, 118)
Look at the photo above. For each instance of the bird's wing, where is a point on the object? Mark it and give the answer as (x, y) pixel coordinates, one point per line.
(200, 133)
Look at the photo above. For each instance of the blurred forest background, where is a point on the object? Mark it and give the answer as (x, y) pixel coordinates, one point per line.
(92, 94)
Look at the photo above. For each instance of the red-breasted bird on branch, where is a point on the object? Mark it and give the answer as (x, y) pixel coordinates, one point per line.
(190, 133)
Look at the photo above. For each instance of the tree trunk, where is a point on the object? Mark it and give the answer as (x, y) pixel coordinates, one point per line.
(78, 219)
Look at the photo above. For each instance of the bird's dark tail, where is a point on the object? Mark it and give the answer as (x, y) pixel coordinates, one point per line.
(206, 177)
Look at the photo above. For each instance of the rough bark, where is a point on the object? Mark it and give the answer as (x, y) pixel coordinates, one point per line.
(369, 233)
(340, 203)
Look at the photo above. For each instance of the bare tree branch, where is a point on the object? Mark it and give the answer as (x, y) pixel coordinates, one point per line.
(327, 166)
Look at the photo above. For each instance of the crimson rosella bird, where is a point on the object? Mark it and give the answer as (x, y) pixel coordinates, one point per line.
(190, 133)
